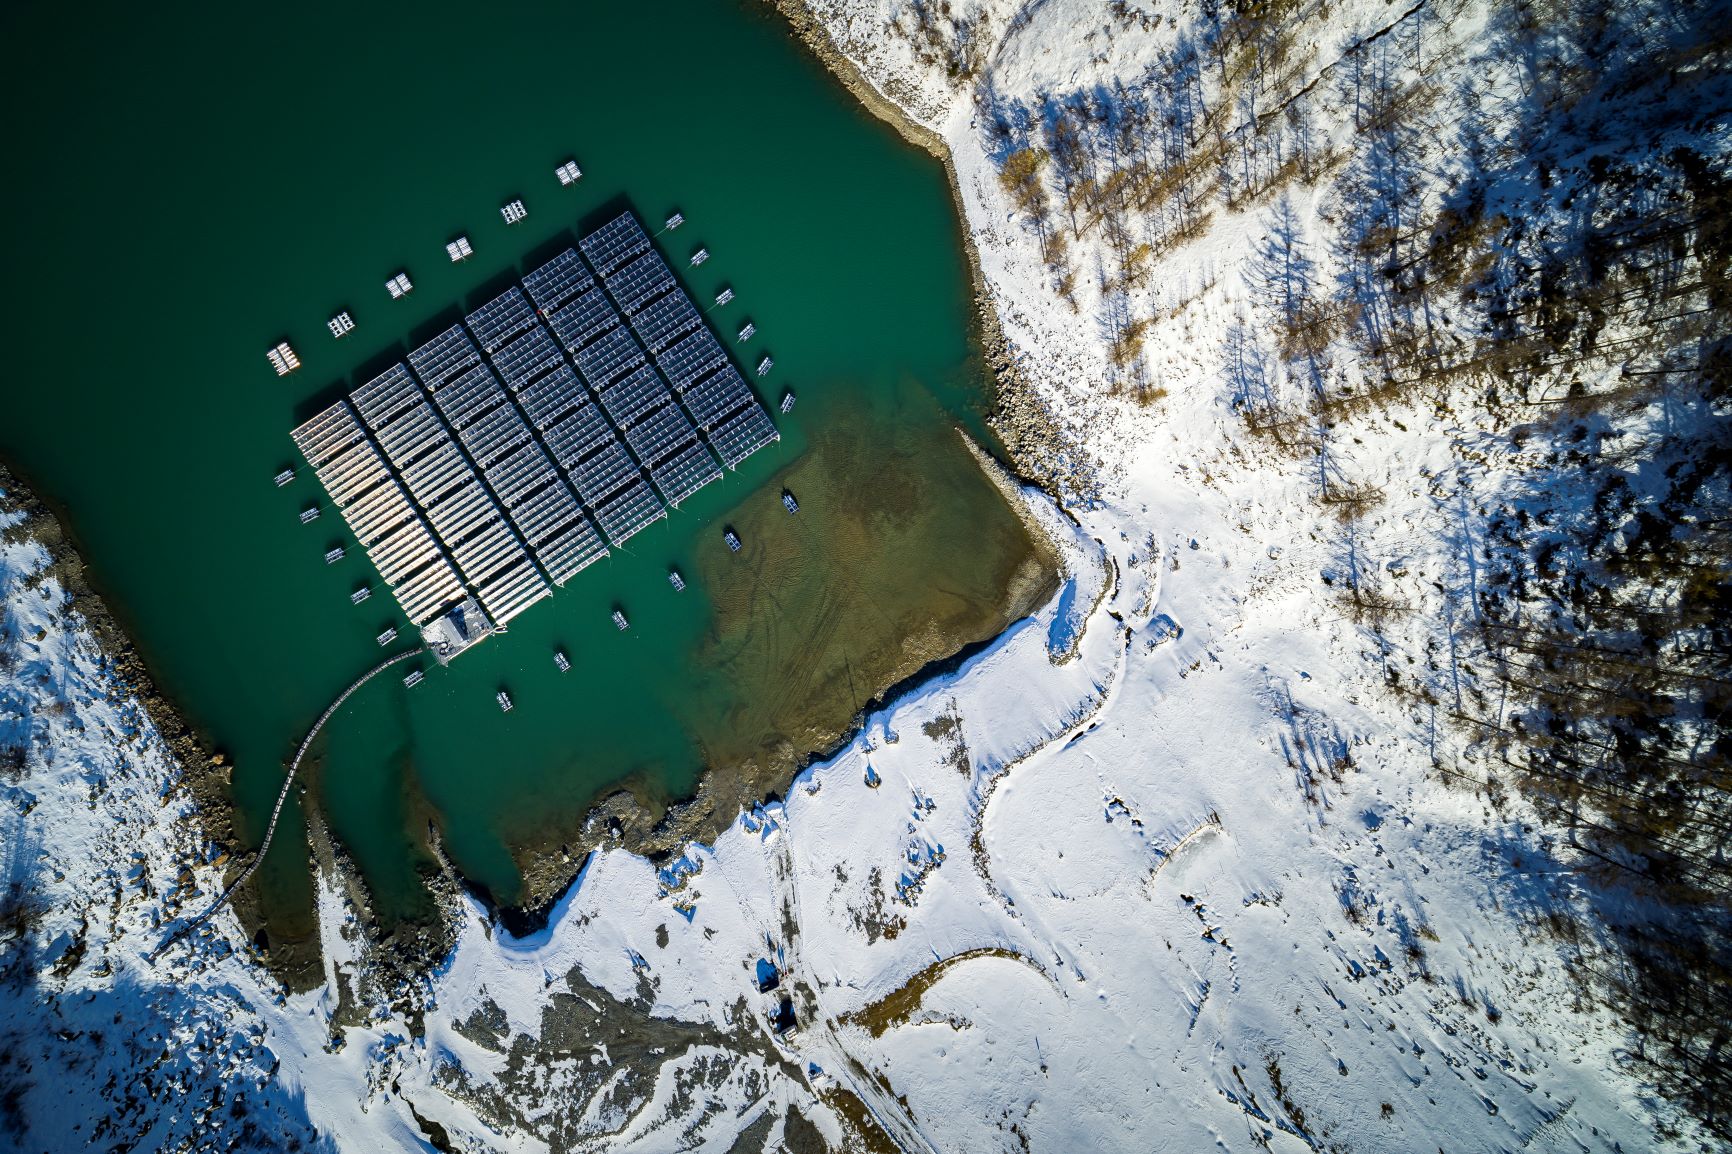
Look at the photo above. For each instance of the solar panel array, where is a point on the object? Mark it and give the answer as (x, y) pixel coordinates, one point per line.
(486, 464)
(725, 409)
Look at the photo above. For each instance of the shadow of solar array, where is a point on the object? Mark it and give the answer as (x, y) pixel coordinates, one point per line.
(479, 465)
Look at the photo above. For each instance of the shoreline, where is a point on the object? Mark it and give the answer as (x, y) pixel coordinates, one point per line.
(626, 815)
(1032, 441)
(205, 769)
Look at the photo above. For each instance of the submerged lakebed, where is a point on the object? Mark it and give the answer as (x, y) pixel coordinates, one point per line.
(209, 198)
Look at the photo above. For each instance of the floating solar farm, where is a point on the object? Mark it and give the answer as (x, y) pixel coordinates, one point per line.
(510, 451)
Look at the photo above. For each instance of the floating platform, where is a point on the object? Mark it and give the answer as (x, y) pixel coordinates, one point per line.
(413, 678)
(511, 450)
(700, 257)
(360, 594)
(789, 503)
(764, 366)
(459, 250)
(561, 662)
(284, 477)
(513, 212)
(452, 632)
(678, 582)
(333, 554)
(341, 325)
(283, 359)
(504, 700)
(619, 621)
(724, 296)
(568, 173)
(675, 221)
(309, 514)
(748, 330)
(787, 400)
(398, 286)
(732, 538)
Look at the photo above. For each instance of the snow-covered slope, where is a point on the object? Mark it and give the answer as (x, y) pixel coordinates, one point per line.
(1201, 855)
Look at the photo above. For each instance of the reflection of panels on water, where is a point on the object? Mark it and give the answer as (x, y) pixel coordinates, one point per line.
(444, 357)
(692, 357)
(553, 284)
(583, 319)
(506, 316)
(684, 472)
(386, 395)
(612, 355)
(328, 433)
(468, 395)
(511, 590)
(615, 243)
(743, 434)
(665, 320)
(636, 284)
(527, 357)
(494, 435)
(628, 399)
(583, 430)
(602, 472)
(552, 397)
(629, 511)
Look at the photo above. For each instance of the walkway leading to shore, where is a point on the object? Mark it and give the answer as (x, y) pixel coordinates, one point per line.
(282, 796)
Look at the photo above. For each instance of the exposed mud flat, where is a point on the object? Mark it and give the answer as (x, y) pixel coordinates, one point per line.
(933, 560)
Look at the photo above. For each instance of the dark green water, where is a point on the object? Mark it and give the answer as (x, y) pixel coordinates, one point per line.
(187, 188)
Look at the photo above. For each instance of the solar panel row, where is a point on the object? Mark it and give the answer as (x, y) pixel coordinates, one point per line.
(434, 526)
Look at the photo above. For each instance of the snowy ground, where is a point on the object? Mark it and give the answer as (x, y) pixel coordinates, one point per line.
(1166, 867)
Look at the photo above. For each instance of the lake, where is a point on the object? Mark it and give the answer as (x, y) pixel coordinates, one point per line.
(189, 188)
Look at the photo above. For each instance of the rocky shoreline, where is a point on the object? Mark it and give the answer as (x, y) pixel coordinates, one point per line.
(205, 769)
(1040, 452)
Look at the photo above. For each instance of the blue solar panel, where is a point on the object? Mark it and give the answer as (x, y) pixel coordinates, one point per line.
(527, 357)
(742, 435)
(467, 397)
(500, 319)
(608, 358)
(692, 357)
(583, 319)
(636, 284)
(629, 511)
(444, 357)
(685, 472)
(665, 320)
(602, 472)
(579, 433)
(556, 282)
(717, 396)
(614, 243)
(659, 433)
